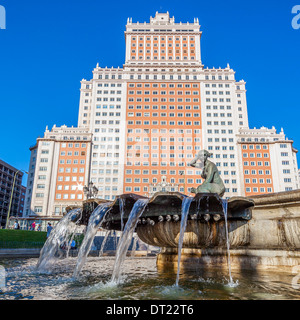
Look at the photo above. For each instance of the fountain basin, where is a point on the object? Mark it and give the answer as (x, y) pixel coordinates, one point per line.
(263, 231)
(270, 240)
(166, 207)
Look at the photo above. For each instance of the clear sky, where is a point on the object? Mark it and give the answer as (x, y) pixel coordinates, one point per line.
(49, 46)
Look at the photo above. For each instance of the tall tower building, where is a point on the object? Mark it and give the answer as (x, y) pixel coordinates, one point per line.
(147, 120)
(160, 109)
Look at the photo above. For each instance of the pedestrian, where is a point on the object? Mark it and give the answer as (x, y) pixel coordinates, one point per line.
(49, 228)
(33, 226)
(38, 227)
(16, 225)
(73, 245)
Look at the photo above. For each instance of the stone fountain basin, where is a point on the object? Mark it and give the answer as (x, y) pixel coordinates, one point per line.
(166, 207)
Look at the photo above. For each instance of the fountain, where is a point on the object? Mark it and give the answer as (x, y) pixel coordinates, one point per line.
(199, 232)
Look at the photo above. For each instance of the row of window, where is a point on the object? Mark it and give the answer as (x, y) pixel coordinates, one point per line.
(216, 115)
(255, 180)
(180, 100)
(108, 114)
(106, 155)
(257, 155)
(71, 145)
(69, 170)
(70, 178)
(252, 147)
(163, 123)
(221, 108)
(107, 171)
(162, 38)
(163, 77)
(66, 196)
(220, 140)
(163, 85)
(254, 172)
(155, 147)
(163, 58)
(71, 153)
(163, 107)
(171, 92)
(257, 163)
(163, 114)
(111, 99)
(217, 99)
(106, 85)
(173, 164)
(165, 131)
(109, 92)
(108, 107)
(69, 161)
(67, 187)
(181, 189)
(108, 147)
(261, 189)
(111, 122)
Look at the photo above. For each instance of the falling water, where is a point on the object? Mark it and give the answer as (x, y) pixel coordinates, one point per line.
(95, 219)
(135, 238)
(122, 210)
(58, 237)
(124, 242)
(116, 242)
(70, 242)
(225, 207)
(108, 232)
(184, 215)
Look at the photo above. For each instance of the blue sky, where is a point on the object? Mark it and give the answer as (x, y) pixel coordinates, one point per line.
(49, 46)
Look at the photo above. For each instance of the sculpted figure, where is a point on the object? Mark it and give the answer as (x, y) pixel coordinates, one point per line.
(213, 182)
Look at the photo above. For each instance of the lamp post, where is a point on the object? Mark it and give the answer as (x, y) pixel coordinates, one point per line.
(11, 196)
(90, 191)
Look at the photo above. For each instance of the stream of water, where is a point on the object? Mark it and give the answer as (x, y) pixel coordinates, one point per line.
(124, 242)
(58, 237)
(94, 223)
(184, 216)
(225, 210)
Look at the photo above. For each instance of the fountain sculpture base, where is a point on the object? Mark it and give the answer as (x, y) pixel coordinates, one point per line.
(269, 241)
(257, 260)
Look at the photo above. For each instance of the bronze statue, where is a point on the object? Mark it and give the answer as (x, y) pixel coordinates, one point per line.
(213, 182)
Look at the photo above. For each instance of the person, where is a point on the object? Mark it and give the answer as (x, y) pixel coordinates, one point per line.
(16, 225)
(49, 228)
(38, 227)
(213, 182)
(73, 245)
(33, 226)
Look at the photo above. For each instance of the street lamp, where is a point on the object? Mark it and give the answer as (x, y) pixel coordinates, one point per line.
(11, 196)
(90, 191)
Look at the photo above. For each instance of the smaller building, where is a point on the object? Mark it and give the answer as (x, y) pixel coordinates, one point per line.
(268, 160)
(8, 174)
(58, 170)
